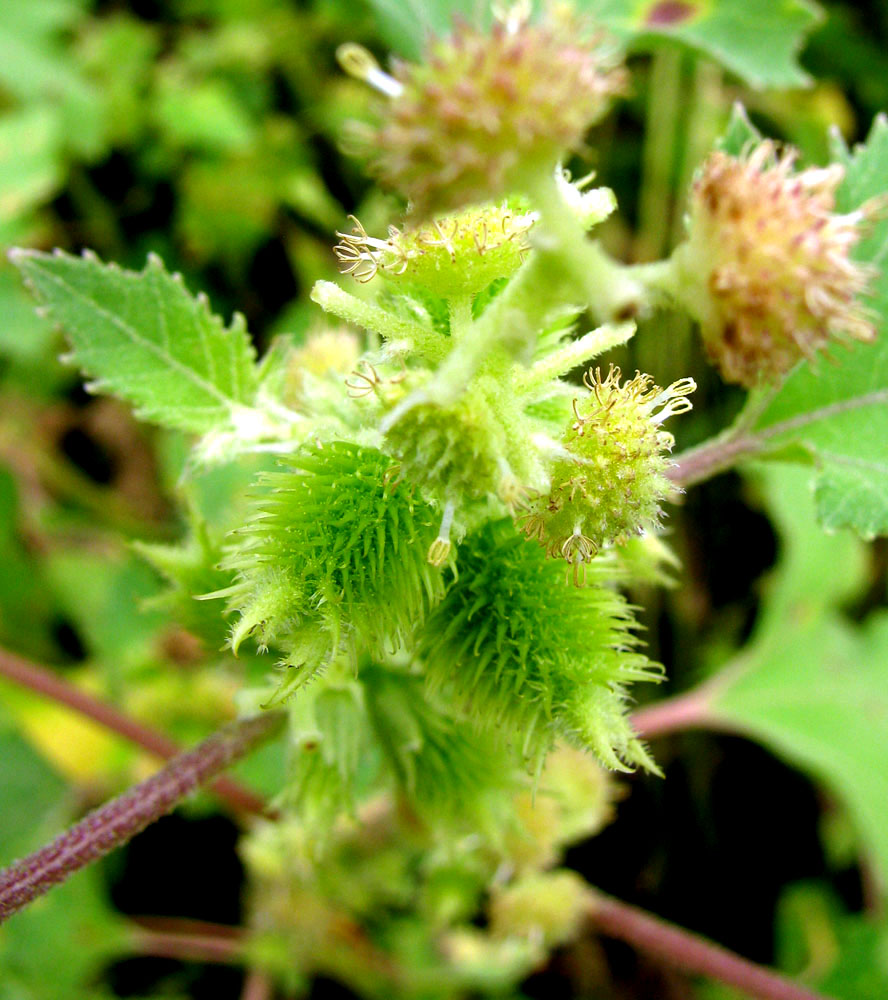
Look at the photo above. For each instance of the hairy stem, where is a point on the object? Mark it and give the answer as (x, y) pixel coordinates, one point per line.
(607, 287)
(118, 821)
(45, 682)
(573, 354)
(712, 457)
(369, 316)
(689, 952)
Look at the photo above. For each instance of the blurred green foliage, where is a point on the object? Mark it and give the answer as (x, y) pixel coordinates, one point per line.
(210, 132)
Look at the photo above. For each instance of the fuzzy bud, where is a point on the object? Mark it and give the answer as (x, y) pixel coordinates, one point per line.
(767, 269)
(484, 110)
(609, 479)
(452, 451)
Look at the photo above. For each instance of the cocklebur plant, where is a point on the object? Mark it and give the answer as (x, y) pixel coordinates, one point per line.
(435, 555)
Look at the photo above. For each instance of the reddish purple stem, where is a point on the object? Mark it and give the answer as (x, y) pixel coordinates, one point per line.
(116, 822)
(690, 953)
(673, 715)
(44, 682)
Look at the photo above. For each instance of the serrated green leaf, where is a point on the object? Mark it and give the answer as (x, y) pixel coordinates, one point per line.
(141, 336)
(811, 686)
(759, 40)
(839, 413)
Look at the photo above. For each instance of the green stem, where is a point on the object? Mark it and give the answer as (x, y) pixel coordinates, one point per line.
(660, 278)
(332, 299)
(574, 354)
(460, 308)
(510, 324)
(704, 124)
(658, 155)
(598, 282)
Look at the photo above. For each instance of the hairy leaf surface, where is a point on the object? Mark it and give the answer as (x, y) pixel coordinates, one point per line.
(141, 336)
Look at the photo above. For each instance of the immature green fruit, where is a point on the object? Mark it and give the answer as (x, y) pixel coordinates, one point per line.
(453, 451)
(486, 110)
(572, 800)
(767, 269)
(334, 557)
(610, 478)
(533, 658)
(447, 771)
(453, 255)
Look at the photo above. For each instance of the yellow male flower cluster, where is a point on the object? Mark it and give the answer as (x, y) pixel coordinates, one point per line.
(488, 242)
(609, 479)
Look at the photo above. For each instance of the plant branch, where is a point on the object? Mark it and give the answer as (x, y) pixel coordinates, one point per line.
(712, 457)
(119, 820)
(672, 715)
(741, 441)
(608, 288)
(689, 952)
(573, 354)
(369, 316)
(257, 986)
(208, 948)
(45, 682)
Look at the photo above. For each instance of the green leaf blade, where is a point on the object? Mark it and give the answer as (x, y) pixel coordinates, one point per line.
(820, 701)
(142, 337)
(759, 40)
(812, 686)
